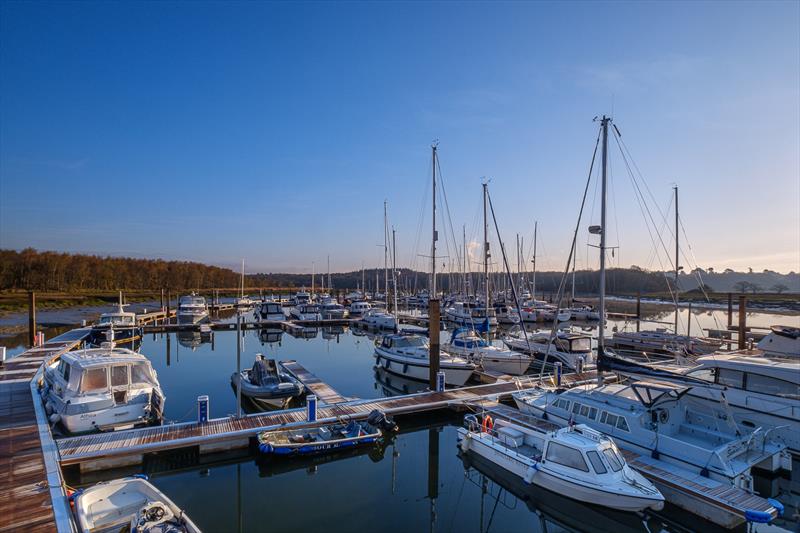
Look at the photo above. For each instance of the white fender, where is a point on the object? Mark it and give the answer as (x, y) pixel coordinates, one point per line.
(529, 473)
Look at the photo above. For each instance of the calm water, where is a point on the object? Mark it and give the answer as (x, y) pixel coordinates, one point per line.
(417, 483)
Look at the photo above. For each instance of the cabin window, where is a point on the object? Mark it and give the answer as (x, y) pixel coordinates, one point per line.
(584, 410)
(611, 420)
(593, 413)
(119, 376)
(555, 402)
(730, 378)
(597, 463)
(94, 379)
(581, 345)
(622, 424)
(614, 459)
(140, 374)
(566, 456)
(603, 416)
(772, 386)
(706, 374)
(576, 408)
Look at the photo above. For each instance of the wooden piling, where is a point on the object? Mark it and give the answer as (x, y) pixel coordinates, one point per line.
(689, 321)
(433, 332)
(638, 310)
(31, 319)
(168, 314)
(742, 321)
(730, 310)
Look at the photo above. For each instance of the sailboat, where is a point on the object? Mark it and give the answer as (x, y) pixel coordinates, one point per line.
(376, 318)
(243, 302)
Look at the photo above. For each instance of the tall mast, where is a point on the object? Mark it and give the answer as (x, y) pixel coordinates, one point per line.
(435, 236)
(535, 231)
(242, 295)
(329, 275)
(363, 280)
(677, 260)
(487, 303)
(394, 274)
(601, 341)
(464, 263)
(313, 275)
(385, 255)
(574, 261)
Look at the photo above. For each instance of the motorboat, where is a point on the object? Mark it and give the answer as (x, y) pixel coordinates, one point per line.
(657, 419)
(269, 310)
(782, 341)
(119, 327)
(663, 341)
(360, 308)
(310, 312)
(470, 314)
(572, 350)
(327, 438)
(506, 314)
(407, 355)
(192, 309)
(244, 302)
(576, 462)
(379, 319)
(129, 504)
(760, 392)
(265, 383)
(355, 296)
(331, 309)
(301, 297)
(102, 389)
(583, 313)
(466, 343)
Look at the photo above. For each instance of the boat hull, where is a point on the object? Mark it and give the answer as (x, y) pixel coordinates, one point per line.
(455, 375)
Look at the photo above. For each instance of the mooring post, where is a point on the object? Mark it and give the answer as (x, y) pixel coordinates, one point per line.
(162, 299)
(730, 310)
(168, 312)
(742, 321)
(31, 318)
(689, 321)
(638, 310)
(433, 332)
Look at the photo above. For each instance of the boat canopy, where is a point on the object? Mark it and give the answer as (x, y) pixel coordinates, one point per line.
(652, 393)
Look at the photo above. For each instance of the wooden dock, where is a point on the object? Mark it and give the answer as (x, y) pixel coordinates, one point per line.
(324, 392)
(125, 448)
(32, 496)
(289, 326)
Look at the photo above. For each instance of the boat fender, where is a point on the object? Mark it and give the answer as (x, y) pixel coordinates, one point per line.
(528, 479)
(265, 447)
(758, 517)
(488, 424)
(777, 505)
(55, 418)
(141, 476)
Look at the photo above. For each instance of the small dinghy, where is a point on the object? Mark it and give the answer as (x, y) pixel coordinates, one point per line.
(265, 383)
(132, 504)
(327, 438)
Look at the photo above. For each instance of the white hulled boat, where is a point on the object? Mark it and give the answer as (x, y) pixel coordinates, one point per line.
(573, 350)
(306, 312)
(407, 355)
(192, 309)
(466, 343)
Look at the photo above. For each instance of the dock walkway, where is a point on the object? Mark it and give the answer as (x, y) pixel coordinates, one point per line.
(128, 447)
(324, 392)
(31, 492)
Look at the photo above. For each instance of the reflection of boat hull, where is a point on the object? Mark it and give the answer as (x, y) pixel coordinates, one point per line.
(395, 385)
(567, 513)
(192, 339)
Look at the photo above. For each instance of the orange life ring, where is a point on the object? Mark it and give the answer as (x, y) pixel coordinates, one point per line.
(488, 424)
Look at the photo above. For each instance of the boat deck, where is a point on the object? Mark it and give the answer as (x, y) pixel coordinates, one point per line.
(324, 392)
(134, 443)
(27, 477)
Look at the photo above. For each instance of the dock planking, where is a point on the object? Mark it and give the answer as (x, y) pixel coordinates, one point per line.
(26, 488)
(324, 392)
(127, 447)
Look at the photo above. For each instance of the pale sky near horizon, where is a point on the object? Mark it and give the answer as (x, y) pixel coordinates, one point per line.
(274, 131)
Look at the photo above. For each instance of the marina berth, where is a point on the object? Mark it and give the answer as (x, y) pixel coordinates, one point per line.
(102, 389)
(130, 504)
(659, 419)
(576, 462)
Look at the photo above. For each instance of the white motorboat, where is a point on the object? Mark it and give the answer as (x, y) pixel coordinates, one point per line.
(379, 319)
(407, 355)
(782, 341)
(119, 327)
(759, 391)
(331, 309)
(129, 504)
(102, 389)
(663, 341)
(309, 312)
(506, 314)
(266, 385)
(583, 313)
(192, 309)
(244, 302)
(269, 310)
(572, 350)
(301, 297)
(470, 314)
(657, 419)
(358, 309)
(576, 462)
(466, 343)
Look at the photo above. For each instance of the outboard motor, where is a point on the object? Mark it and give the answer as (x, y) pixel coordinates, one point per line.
(379, 420)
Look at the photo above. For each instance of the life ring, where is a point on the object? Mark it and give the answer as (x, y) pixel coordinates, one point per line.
(488, 424)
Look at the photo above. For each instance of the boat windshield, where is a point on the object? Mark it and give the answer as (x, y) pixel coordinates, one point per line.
(582, 344)
(116, 319)
(614, 458)
(409, 342)
(142, 375)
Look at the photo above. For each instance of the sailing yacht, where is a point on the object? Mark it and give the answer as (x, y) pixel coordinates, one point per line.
(243, 302)
(470, 314)
(466, 343)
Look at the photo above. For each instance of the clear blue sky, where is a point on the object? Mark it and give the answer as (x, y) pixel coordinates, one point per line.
(273, 132)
